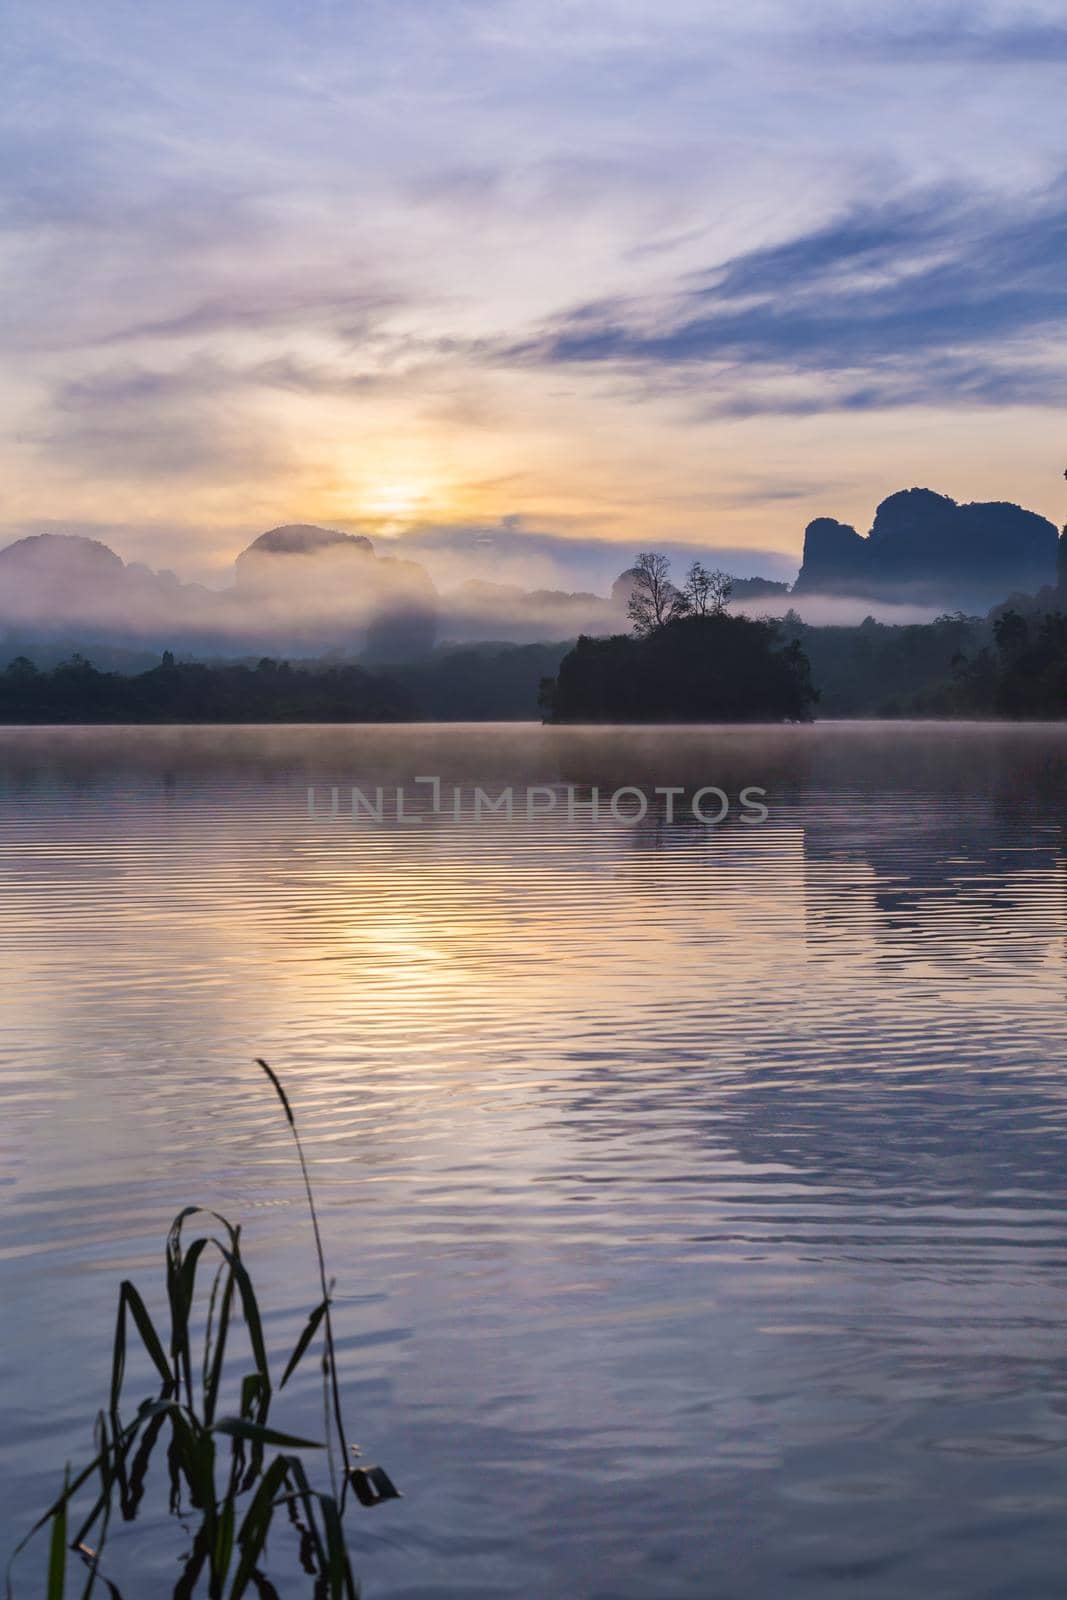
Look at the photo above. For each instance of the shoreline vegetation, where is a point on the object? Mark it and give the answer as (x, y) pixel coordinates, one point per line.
(226, 1520)
(691, 669)
(688, 658)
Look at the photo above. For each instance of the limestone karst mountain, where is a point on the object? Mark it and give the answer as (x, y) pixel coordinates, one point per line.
(57, 581)
(56, 569)
(255, 565)
(925, 548)
(338, 582)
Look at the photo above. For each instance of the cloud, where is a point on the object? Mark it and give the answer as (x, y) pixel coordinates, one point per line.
(963, 37)
(527, 254)
(254, 307)
(157, 425)
(931, 298)
(845, 611)
(512, 551)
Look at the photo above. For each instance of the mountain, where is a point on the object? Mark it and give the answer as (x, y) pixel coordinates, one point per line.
(336, 581)
(758, 589)
(254, 565)
(298, 590)
(743, 589)
(56, 568)
(56, 581)
(925, 548)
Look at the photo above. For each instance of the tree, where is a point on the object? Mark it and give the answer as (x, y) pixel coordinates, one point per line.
(707, 593)
(1012, 633)
(546, 698)
(731, 670)
(654, 601)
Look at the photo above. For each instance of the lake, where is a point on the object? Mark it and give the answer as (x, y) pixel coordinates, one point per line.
(697, 1193)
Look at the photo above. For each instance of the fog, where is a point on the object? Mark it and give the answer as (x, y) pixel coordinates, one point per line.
(301, 591)
(846, 611)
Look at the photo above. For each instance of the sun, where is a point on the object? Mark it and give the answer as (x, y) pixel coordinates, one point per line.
(396, 499)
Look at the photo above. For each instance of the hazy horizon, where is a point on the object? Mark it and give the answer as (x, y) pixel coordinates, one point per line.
(85, 596)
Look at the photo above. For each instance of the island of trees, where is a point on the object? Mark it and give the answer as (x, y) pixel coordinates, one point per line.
(687, 660)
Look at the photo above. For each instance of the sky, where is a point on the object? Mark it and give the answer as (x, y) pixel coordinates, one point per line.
(539, 280)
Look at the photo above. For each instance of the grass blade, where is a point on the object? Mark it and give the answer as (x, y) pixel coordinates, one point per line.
(331, 1387)
(242, 1428)
(130, 1300)
(312, 1545)
(256, 1525)
(223, 1550)
(57, 1554)
(279, 1091)
(342, 1585)
(304, 1340)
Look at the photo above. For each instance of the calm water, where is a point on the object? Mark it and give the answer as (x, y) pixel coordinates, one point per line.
(698, 1197)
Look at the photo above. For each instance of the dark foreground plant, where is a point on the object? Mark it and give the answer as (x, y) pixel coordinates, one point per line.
(230, 1477)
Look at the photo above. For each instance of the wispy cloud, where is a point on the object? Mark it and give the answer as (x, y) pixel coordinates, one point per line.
(159, 426)
(515, 551)
(963, 36)
(257, 307)
(918, 300)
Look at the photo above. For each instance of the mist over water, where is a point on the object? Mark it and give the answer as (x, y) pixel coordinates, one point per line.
(697, 1197)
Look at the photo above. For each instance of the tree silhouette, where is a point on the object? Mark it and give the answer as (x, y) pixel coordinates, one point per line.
(692, 669)
(707, 593)
(654, 601)
(1011, 632)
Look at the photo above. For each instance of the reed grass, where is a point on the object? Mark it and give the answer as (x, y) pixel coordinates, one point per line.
(231, 1478)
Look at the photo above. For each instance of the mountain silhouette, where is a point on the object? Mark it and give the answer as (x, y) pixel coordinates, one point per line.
(925, 548)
